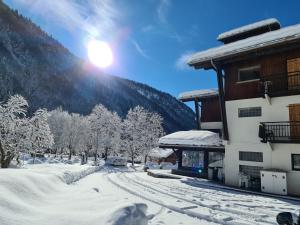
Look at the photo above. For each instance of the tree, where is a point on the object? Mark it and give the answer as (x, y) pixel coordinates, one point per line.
(71, 133)
(141, 131)
(105, 127)
(133, 131)
(57, 120)
(41, 136)
(13, 129)
(153, 131)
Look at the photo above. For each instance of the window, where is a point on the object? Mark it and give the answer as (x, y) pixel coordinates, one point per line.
(251, 156)
(248, 74)
(193, 159)
(296, 162)
(252, 171)
(250, 112)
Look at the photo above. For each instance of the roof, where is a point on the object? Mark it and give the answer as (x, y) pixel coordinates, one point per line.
(192, 138)
(245, 29)
(269, 39)
(161, 152)
(198, 94)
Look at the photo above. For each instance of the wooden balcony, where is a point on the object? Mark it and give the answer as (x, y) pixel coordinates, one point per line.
(280, 132)
(281, 84)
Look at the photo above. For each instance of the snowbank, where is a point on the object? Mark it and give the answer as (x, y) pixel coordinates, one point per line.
(193, 138)
(198, 94)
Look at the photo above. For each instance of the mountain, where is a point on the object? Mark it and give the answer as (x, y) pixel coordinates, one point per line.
(38, 67)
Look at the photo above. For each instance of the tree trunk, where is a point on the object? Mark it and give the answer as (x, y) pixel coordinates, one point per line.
(145, 159)
(70, 153)
(105, 153)
(132, 160)
(96, 156)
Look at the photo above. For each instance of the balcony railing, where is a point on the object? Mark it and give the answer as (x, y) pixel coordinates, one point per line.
(281, 84)
(280, 132)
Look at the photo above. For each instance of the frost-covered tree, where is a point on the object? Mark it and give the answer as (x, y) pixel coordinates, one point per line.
(40, 135)
(57, 120)
(71, 134)
(105, 127)
(153, 131)
(133, 131)
(13, 129)
(141, 130)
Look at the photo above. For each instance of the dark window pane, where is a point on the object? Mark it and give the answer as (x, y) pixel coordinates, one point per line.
(249, 73)
(250, 112)
(296, 161)
(251, 156)
(253, 171)
(193, 159)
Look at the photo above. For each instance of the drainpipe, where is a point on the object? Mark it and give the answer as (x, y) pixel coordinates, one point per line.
(197, 114)
(221, 100)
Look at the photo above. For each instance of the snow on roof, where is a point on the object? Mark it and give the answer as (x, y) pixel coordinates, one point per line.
(244, 29)
(160, 152)
(198, 94)
(252, 43)
(192, 138)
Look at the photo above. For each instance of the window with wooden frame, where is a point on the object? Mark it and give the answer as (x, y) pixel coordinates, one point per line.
(296, 162)
(249, 74)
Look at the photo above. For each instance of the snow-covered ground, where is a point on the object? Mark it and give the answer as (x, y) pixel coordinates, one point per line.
(59, 194)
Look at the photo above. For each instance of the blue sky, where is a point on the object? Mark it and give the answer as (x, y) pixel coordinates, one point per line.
(150, 38)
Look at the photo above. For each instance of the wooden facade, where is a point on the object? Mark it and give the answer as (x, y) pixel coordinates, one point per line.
(210, 109)
(270, 65)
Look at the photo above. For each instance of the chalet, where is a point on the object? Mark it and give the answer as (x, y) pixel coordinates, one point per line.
(195, 150)
(258, 74)
(160, 155)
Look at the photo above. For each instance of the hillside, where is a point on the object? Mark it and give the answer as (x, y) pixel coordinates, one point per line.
(35, 65)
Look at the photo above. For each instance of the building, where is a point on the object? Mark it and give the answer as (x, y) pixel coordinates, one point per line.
(207, 108)
(258, 73)
(197, 151)
(160, 155)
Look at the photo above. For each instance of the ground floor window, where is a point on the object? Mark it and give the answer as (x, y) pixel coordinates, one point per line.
(253, 176)
(251, 156)
(193, 159)
(295, 161)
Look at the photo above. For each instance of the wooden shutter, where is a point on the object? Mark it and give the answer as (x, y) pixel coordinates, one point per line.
(294, 113)
(293, 69)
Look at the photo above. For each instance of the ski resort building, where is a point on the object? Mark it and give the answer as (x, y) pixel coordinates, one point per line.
(258, 74)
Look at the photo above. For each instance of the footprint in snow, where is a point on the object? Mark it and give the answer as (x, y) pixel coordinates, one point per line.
(96, 189)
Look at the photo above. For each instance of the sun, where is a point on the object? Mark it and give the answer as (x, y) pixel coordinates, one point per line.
(100, 53)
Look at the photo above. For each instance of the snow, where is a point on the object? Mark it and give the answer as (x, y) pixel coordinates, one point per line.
(198, 94)
(86, 195)
(160, 152)
(244, 29)
(268, 39)
(193, 138)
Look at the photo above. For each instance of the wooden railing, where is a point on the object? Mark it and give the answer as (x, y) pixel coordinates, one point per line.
(281, 84)
(280, 132)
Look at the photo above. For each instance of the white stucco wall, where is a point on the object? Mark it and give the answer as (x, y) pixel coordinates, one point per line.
(243, 135)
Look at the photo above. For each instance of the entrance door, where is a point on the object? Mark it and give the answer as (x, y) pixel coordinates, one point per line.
(293, 69)
(294, 113)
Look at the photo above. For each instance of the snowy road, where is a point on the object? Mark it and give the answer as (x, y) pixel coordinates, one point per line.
(38, 195)
(211, 205)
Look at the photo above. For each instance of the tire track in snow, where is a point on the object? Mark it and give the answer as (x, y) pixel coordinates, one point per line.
(225, 211)
(211, 217)
(204, 195)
